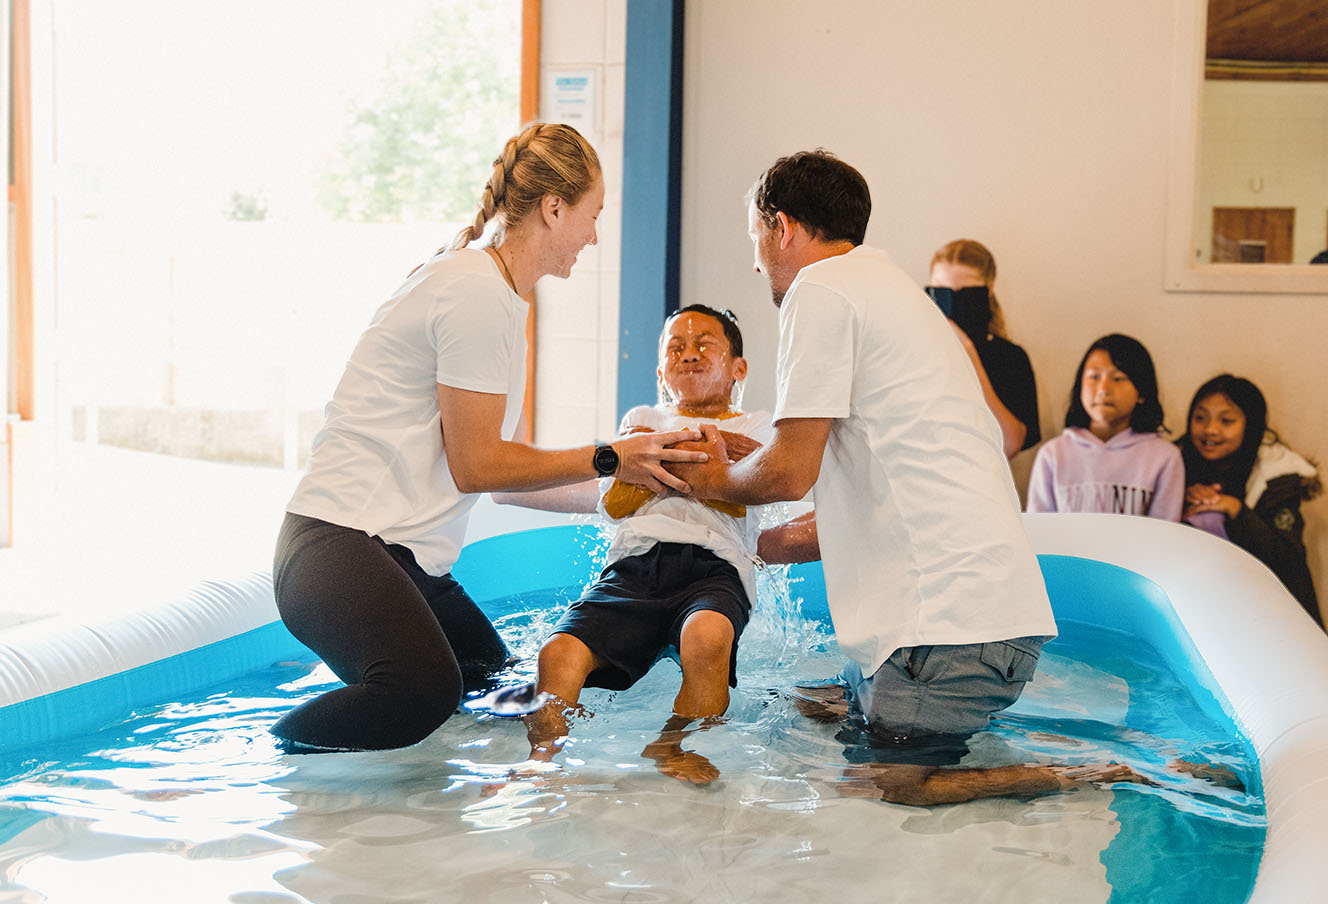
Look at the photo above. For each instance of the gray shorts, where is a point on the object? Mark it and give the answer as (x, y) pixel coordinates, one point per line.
(931, 692)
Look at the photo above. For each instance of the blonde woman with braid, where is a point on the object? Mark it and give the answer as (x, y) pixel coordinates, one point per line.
(424, 420)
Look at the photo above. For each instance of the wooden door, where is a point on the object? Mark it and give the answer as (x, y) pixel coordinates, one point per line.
(1253, 234)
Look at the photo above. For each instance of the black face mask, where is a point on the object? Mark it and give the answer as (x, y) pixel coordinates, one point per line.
(969, 308)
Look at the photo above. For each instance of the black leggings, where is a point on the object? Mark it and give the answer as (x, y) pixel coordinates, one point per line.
(406, 644)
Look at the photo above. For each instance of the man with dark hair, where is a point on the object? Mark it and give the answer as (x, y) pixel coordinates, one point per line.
(934, 590)
(824, 194)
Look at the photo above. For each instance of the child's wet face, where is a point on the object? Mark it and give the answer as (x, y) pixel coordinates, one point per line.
(1217, 427)
(696, 363)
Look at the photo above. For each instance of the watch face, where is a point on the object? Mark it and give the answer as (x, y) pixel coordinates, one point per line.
(606, 460)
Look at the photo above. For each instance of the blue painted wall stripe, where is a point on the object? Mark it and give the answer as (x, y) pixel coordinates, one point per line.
(652, 192)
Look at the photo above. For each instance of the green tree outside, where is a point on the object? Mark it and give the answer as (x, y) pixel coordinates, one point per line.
(420, 146)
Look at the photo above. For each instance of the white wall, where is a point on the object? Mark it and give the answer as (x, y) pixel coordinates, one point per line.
(576, 373)
(1041, 129)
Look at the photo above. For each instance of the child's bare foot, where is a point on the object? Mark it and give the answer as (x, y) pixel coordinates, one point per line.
(684, 765)
(824, 703)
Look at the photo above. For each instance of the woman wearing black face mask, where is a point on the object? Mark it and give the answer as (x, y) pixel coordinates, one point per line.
(962, 273)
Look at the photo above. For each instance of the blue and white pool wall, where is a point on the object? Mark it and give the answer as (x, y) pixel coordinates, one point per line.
(1253, 649)
(1266, 655)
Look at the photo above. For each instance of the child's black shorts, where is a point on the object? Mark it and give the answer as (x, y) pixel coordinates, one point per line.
(635, 610)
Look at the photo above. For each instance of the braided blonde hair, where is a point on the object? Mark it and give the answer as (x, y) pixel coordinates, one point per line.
(543, 159)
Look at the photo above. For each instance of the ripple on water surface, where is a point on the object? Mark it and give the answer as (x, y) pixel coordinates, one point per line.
(196, 795)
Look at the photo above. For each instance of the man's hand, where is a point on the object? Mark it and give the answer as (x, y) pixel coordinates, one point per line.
(623, 499)
(641, 458)
(704, 476)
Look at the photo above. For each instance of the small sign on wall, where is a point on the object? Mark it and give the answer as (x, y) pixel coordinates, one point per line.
(570, 98)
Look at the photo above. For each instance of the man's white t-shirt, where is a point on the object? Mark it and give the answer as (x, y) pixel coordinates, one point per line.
(916, 512)
(682, 519)
(379, 464)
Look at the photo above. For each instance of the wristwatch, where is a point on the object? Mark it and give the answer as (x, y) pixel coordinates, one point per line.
(605, 461)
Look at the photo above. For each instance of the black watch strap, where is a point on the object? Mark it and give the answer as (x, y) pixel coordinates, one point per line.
(605, 461)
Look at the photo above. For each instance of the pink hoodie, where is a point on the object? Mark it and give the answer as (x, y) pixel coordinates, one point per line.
(1131, 473)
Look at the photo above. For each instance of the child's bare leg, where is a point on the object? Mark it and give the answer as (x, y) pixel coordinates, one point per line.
(564, 663)
(704, 649)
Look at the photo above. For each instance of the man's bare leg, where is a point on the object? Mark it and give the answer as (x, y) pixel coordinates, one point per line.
(704, 649)
(564, 663)
(928, 785)
(922, 786)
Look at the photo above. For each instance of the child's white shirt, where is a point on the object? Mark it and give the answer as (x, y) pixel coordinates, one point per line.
(674, 518)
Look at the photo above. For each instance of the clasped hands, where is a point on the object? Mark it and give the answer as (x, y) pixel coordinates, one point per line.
(721, 448)
(1204, 497)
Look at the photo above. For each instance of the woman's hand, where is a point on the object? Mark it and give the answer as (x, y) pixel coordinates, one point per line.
(641, 457)
(1204, 497)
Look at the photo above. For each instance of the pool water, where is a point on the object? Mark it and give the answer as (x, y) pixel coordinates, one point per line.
(193, 801)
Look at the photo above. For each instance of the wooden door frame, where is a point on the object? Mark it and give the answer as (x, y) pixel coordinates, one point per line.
(20, 199)
(530, 98)
(19, 314)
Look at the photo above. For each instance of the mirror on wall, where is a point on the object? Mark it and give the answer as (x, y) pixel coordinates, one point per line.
(1261, 194)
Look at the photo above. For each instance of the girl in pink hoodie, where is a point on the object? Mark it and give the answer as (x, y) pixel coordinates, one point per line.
(1110, 457)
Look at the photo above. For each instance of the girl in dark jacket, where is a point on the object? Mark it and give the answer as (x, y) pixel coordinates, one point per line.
(1243, 484)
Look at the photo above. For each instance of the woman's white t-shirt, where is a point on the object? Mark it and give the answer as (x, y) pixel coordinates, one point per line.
(379, 463)
(921, 536)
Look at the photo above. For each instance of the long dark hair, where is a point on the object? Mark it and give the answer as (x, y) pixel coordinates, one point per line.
(1128, 355)
(1232, 472)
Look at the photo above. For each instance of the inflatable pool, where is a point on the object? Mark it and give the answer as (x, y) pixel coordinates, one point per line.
(1249, 654)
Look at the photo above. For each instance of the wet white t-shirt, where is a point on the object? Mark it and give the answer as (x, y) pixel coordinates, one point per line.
(917, 515)
(379, 463)
(681, 519)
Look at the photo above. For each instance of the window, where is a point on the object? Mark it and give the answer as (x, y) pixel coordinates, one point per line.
(236, 187)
